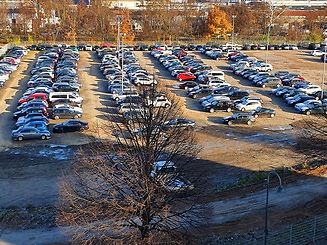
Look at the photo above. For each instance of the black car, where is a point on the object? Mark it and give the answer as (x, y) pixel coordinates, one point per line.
(219, 105)
(179, 123)
(131, 99)
(30, 110)
(243, 118)
(262, 111)
(62, 112)
(237, 94)
(64, 87)
(321, 109)
(200, 93)
(70, 126)
(188, 84)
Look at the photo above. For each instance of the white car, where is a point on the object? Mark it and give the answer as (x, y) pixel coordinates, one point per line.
(317, 53)
(248, 105)
(307, 105)
(88, 47)
(310, 89)
(159, 101)
(263, 67)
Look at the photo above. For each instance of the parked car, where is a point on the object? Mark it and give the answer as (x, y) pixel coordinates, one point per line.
(33, 103)
(263, 111)
(179, 123)
(319, 109)
(242, 118)
(307, 104)
(219, 105)
(63, 112)
(29, 110)
(248, 106)
(310, 89)
(64, 87)
(188, 84)
(70, 126)
(30, 133)
(186, 76)
(39, 117)
(66, 101)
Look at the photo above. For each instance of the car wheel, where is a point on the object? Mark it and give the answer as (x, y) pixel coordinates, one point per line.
(20, 138)
(186, 88)
(307, 113)
(263, 85)
(212, 110)
(229, 123)
(278, 85)
(43, 137)
(248, 122)
(194, 96)
(56, 117)
(166, 105)
(116, 99)
(180, 79)
(272, 115)
(229, 109)
(138, 84)
(76, 116)
(243, 109)
(81, 129)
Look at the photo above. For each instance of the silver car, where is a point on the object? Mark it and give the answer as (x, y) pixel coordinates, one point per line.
(30, 133)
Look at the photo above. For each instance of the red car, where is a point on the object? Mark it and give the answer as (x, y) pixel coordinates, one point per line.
(186, 76)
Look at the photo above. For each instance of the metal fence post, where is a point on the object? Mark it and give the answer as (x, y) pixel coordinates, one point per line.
(314, 230)
(291, 229)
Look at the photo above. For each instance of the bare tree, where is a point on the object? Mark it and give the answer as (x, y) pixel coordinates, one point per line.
(118, 192)
(313, 142)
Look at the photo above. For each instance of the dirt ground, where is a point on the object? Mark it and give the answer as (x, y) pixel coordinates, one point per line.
(31, 170)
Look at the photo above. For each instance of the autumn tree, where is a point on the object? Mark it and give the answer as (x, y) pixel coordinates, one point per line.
(118, 193)
(244, 20)
(4, 23)
(217, 25)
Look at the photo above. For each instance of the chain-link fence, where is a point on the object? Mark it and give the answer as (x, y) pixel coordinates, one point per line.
(310, 231)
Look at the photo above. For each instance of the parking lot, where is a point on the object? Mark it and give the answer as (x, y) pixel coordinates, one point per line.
(97, 102)
(228, 152)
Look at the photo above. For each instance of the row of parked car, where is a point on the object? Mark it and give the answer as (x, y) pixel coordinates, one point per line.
(10, 62)
(304, 96)
(213, 92)
(51, 93)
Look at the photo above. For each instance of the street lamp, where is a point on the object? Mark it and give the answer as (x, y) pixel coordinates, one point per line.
(233, 17)
(119, 18)
(280, 189)
(122, 61)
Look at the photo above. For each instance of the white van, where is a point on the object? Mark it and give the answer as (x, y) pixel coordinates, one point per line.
(74, 96)
(211, 73)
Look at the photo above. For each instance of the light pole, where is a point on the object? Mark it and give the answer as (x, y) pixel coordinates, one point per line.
(271, 8)
(323, 75)
(280, 189)
(122, 61)
(119, 17)
(233, 17)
